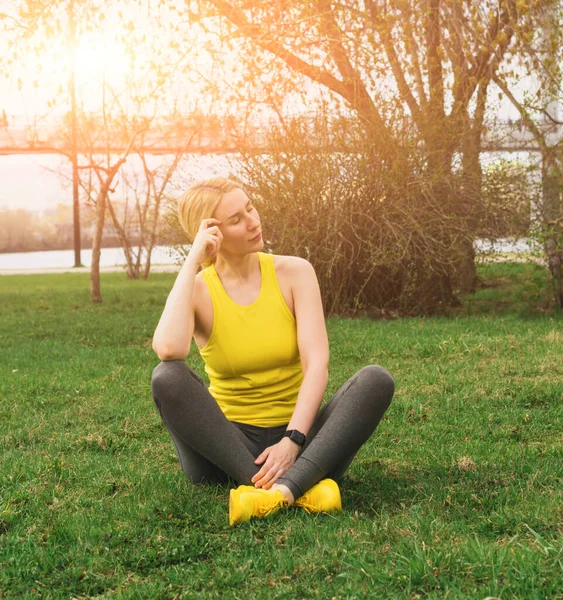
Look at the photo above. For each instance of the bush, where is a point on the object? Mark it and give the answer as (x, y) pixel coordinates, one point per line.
(379, 237)
(508, 198)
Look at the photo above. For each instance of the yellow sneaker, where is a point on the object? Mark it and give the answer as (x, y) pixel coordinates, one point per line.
(247, 501)
(323, 497)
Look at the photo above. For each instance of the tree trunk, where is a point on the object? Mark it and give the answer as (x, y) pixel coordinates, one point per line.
(95, 292)
(466, 270)
(462, 277)
(471, 132)
(132, 268)
(553, 221)
(74, 138)
(472, 179)
(152, 236)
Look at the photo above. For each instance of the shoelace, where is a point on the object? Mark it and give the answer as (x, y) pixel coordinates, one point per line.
(264, 511)
(307, 506)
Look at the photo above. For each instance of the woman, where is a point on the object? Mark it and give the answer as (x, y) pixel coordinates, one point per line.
(257, 320)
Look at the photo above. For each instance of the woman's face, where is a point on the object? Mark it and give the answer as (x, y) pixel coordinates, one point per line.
(240, 224)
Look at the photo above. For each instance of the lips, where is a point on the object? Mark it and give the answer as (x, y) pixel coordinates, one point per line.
(255, 239)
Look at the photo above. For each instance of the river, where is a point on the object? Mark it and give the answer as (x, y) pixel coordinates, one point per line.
(162, 255)
(62, 259)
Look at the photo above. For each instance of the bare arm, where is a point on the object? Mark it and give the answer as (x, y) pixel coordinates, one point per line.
(313, 346)
(173, 335)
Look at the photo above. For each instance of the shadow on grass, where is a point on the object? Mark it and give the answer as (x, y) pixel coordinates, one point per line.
(481, 499)
(510, 287)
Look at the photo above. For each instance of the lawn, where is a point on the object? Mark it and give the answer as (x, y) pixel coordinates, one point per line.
(457, 495)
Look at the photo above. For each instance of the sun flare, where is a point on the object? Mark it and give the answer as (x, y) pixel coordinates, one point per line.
(100, 57)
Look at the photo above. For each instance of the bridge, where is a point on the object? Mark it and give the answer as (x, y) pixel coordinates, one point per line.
(212, 136)
(162, 137)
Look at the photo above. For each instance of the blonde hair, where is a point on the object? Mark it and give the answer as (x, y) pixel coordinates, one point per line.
(200, 201)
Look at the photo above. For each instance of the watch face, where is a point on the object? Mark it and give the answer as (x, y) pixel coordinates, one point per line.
(298, 437)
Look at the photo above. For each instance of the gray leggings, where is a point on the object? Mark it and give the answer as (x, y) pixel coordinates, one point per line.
(211, 448)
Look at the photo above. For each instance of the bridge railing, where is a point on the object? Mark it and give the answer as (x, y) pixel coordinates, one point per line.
(217, 135)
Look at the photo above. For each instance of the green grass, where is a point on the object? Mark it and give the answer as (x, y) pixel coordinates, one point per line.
(457, 495)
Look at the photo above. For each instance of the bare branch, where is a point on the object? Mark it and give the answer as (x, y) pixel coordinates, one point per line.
(456, 54)
(502, 26)
(521, 109)
(334, 35)
(363, 103)
(413, 50)
(434, 60)
(382, 27)
(18, 23)
(552, 119)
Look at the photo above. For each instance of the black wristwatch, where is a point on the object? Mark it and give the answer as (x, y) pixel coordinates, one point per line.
(296, 436)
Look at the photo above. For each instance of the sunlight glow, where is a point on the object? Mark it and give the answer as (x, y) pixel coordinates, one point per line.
(124, 60)
(100, 57)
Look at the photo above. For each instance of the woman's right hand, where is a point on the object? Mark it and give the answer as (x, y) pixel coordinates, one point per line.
(207, 241)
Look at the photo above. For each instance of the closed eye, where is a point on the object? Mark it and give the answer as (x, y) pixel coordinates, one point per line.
(236, 220)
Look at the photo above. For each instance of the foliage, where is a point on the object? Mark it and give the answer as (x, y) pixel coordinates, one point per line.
(377, 238)
(510, 197)
(541, 53)
(413, 76)
(112, 108)
(23, 231)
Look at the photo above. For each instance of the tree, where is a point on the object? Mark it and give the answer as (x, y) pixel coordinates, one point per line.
(73, 155)
(541, 115)
(29, 31)
(412, 72)
(509, 197)
(139, 225)
(105, 170)
(108, 117)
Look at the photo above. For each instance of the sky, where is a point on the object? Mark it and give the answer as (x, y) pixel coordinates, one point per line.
(28, 183)
(104, 52)
(38, 182)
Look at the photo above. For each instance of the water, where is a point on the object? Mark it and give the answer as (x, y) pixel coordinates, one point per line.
(504, 246)
(114, 257)
(61, 259)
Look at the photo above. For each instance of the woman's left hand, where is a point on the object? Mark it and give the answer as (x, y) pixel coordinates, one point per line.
(275, 461)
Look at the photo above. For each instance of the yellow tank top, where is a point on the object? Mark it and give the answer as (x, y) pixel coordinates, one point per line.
(252, 358)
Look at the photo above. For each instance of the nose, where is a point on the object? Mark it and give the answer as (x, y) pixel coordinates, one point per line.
(253, 221)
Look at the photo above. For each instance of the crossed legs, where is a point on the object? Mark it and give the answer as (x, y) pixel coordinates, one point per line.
(211, 448)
